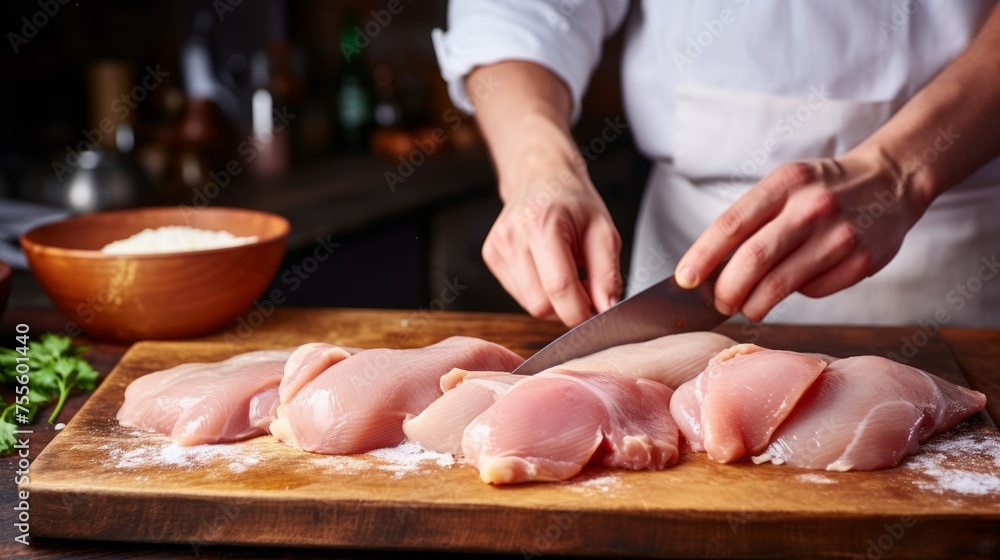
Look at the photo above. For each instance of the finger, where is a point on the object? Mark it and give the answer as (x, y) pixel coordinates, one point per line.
(820, 253)
(517, 276)
(602, 249)
(758, 206)
(855, 268)
(806, 215)
(497, 265)
(754, 260)
(531, 293)
(557, 271)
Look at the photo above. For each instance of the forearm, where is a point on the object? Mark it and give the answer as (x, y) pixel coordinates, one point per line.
(949, 129)
(524, 118)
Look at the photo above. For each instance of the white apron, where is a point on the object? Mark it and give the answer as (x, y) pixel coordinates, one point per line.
(945, 274)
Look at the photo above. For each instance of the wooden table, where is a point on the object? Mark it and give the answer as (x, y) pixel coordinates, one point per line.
(976, 351)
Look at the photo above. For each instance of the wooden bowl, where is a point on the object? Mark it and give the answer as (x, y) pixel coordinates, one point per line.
(158, 296)
(5, 278)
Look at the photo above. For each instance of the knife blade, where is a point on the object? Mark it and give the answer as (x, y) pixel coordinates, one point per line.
(663, 308)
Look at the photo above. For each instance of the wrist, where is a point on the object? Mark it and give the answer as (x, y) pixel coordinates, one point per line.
(541, 152)
(910, 178)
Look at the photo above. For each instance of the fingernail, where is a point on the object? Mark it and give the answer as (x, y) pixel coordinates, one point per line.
(723, 308)
(613, 301)
(686, 277)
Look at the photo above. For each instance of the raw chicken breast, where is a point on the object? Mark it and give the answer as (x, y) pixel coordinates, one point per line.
(305, 363)
(466, 395)
(867, 413)
(359, 403)
(208, 403)
(671, 359)
(552, 424)
(744, 394)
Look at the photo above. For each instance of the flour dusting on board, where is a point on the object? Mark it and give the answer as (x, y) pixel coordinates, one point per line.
(816, 478)
(404, 459)
(943, 473)
(410, 457)
(599, 483)
(145, 450)
(152, 450)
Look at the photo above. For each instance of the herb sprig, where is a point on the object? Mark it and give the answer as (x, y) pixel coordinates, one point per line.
(55, 368)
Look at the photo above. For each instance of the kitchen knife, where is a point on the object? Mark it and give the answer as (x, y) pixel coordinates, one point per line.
(663, 308)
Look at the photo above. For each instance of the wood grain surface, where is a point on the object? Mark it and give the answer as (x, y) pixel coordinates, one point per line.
(135, 487)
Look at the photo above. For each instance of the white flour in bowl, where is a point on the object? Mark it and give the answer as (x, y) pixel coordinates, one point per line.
(174, 239)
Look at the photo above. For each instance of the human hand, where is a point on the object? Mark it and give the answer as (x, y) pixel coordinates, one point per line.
(552, 224)
(815, 227)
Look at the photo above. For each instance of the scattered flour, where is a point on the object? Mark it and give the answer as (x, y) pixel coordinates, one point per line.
(604, 483)
(816, 478)
(344, 464)
(409, 458)
(149, 450)
(936, 461)
(161, 453)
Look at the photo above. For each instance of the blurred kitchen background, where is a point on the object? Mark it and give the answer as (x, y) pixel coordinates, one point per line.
(118, 103)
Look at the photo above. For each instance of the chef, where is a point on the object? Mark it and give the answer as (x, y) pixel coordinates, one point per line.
(845, 153)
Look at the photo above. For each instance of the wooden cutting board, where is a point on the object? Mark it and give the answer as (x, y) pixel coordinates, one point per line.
(137, 487)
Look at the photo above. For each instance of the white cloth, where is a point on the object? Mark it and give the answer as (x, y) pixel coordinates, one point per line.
(720, 92)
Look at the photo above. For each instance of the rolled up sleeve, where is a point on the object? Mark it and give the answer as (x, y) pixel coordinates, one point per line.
(564, 36)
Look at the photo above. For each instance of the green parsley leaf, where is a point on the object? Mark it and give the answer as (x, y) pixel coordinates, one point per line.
(55, 368)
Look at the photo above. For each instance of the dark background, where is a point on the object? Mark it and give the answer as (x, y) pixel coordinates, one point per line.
(396, 248)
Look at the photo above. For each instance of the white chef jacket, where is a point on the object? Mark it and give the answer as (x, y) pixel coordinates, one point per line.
(720, 92)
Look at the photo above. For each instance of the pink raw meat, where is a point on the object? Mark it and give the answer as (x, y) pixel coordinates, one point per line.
(208, 403)
(359, 403)
(305, 363)
(868, 412)
(744, 394)
(671, 359)
(466, 395)
(552, 424)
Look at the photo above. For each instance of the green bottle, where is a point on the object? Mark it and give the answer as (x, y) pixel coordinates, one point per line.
(352, 104)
